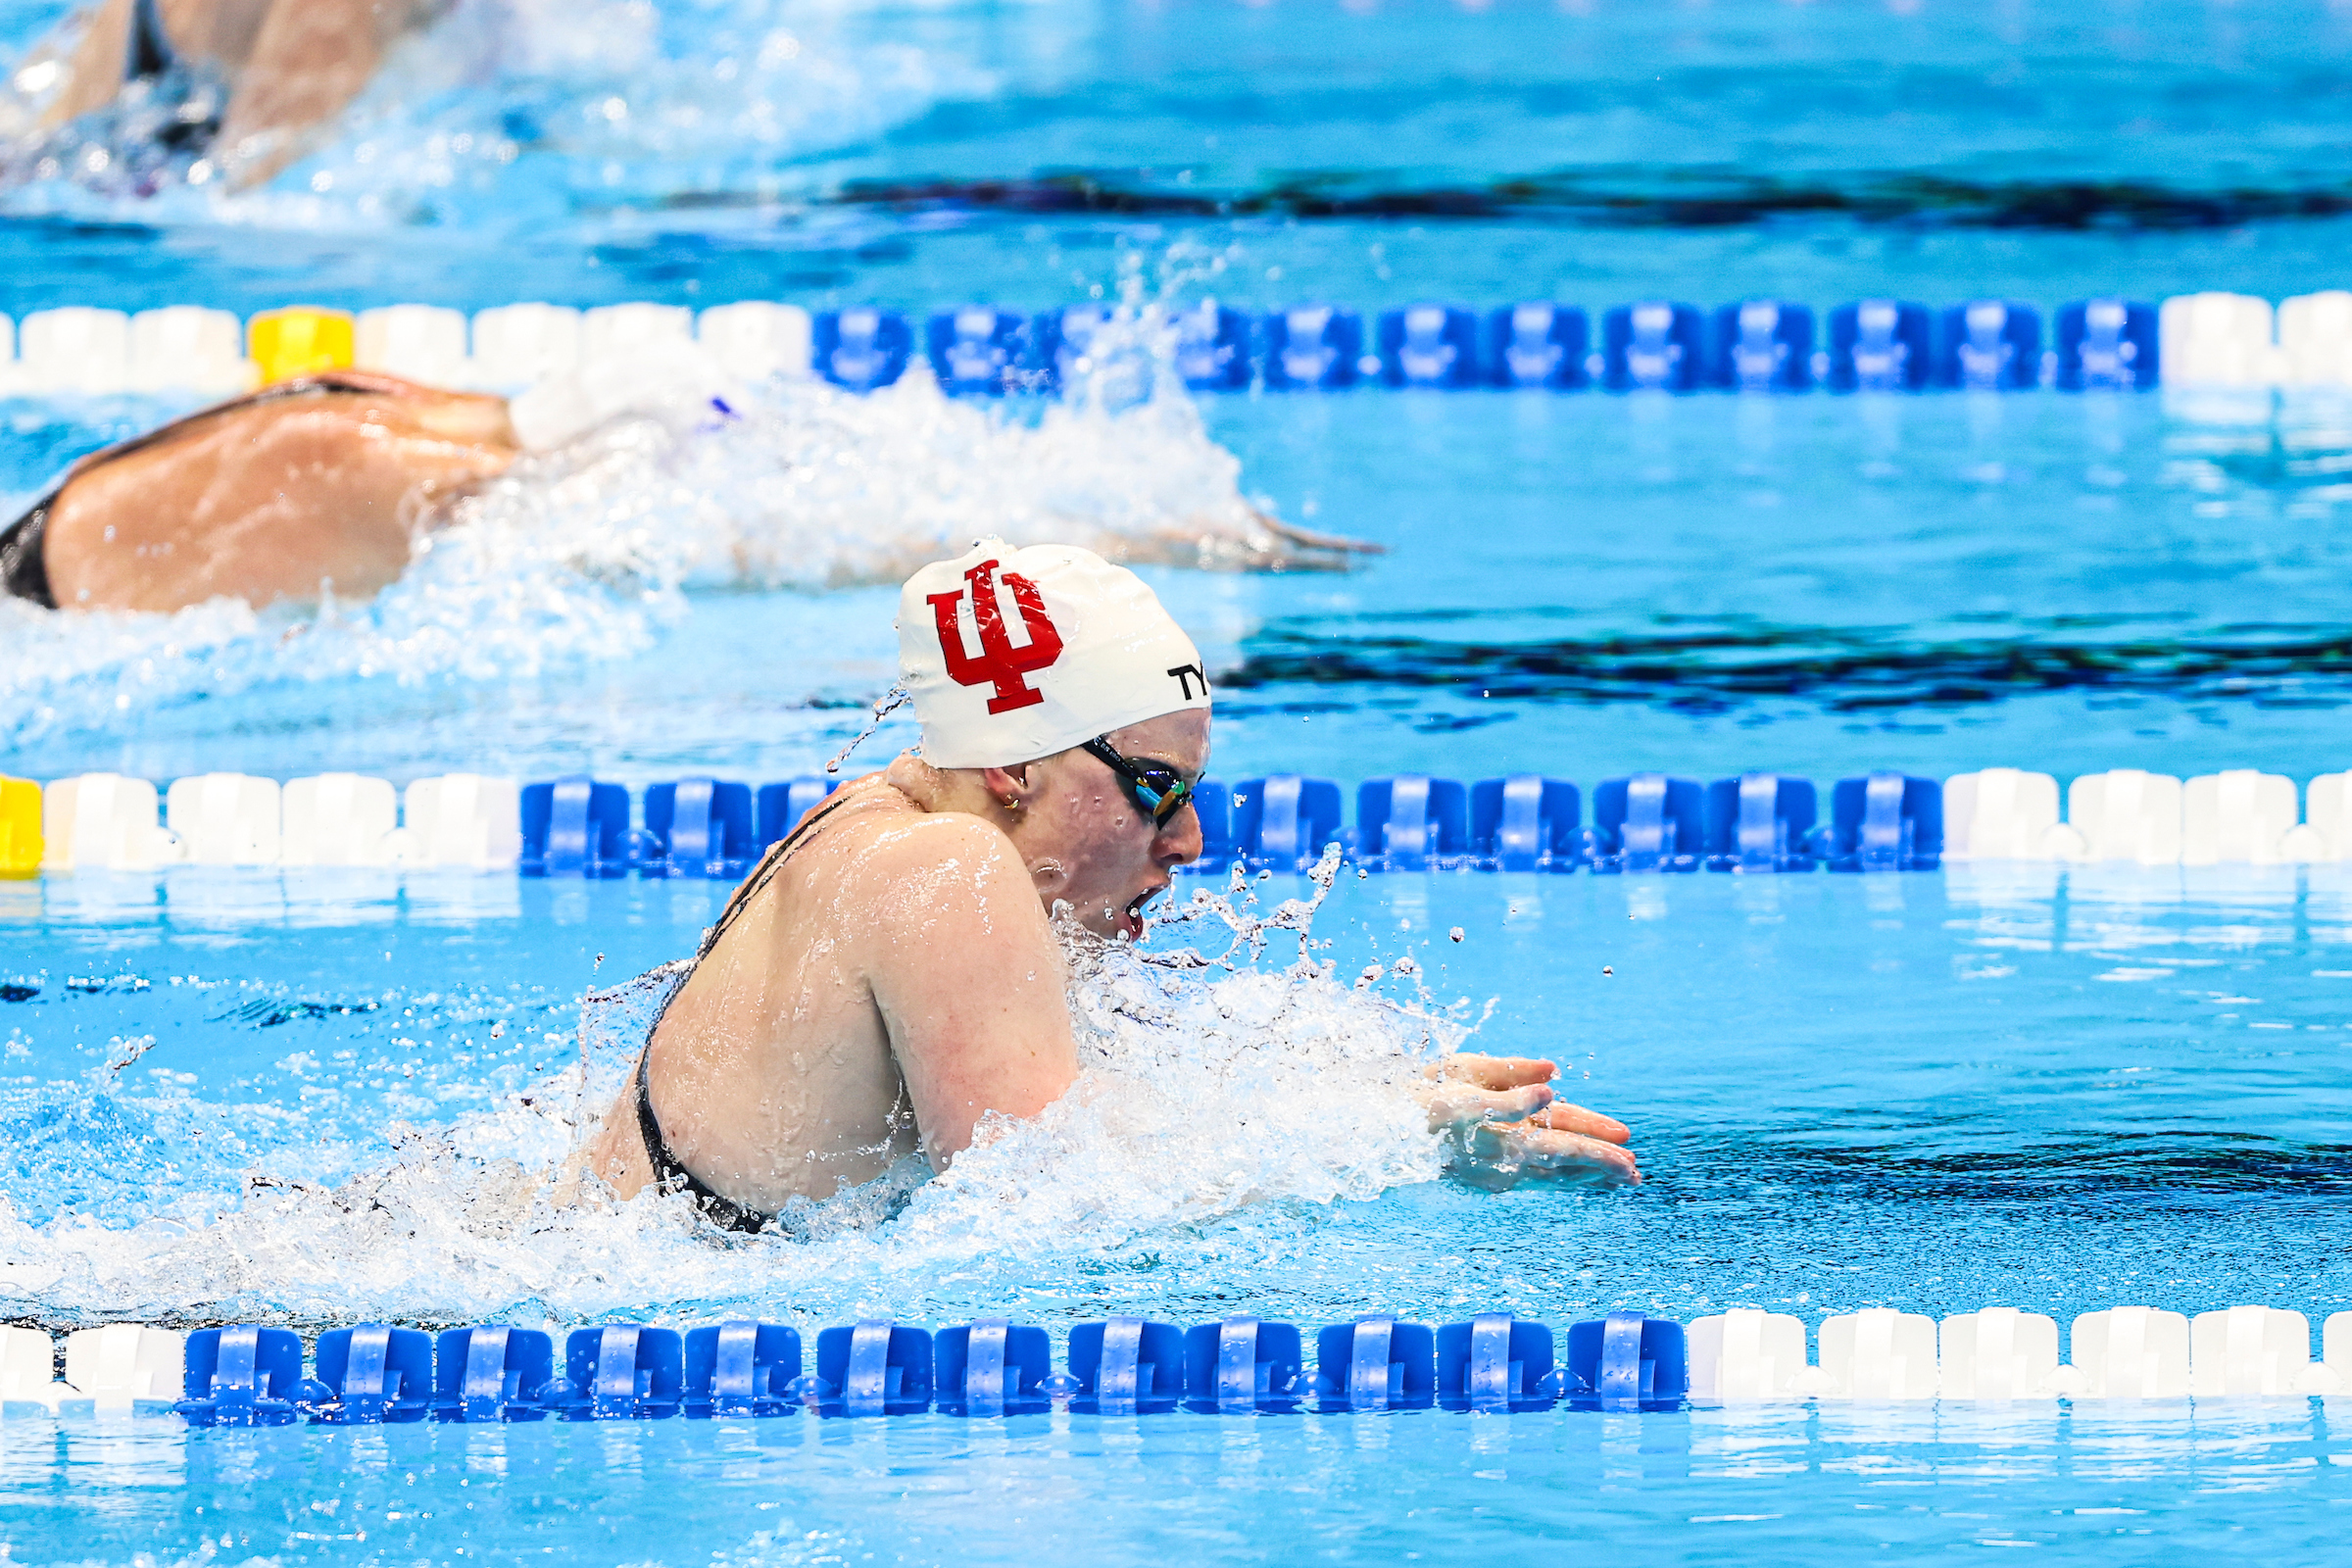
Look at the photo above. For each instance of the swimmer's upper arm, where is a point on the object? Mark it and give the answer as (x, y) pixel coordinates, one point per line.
(308, 59)
(970, 980)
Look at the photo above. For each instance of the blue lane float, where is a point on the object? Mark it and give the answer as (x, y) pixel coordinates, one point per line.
(251, 1375)
(1243, 1365)
(1991, 346)
(2109, 344)
(1762, 346)
(1653, 347)
(1212, 347)
(876, 1367)
(1527, 823)
(861, 349)
(1283, 822)
(1885, 822)
(1752, 346)
(1495, 1364)
(1378, 1363)
(1540, 345)
(1648, 822)
(371, 1374)
(740, 1368)
(1315, 346)
(576, 826)
(1429, 346)
(242, 1376)
(1126, 1366)
(1759, 822)
(1627, 1361)
(977, 350)
(992, 1366)
(778, 806)
(1880, 346)
(699, 827)
(492, 1372)
(1412, 823)
(621, 1372)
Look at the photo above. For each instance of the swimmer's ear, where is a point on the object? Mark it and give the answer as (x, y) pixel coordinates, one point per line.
(1001, 782)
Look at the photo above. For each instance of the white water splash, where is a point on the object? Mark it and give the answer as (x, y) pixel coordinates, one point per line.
(599, 101)
(1210, 1087)
(583, 555)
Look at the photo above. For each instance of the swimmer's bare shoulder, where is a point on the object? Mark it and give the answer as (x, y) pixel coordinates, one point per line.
(945, 924)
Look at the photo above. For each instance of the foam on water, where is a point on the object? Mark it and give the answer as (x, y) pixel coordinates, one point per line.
(584, 554)
(1211, 1085)
(615, 99)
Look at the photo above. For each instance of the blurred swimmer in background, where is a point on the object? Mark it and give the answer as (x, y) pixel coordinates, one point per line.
(243, 88)
(333, 481)
(890, 974)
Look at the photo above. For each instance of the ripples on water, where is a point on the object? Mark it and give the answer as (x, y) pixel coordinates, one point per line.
(583, 556)
(600, 96)
(1268, 1086)
(316, 1099)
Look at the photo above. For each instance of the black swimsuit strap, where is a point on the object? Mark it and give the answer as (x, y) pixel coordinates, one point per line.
(150, 53)
(670, 1172)
(24, 569)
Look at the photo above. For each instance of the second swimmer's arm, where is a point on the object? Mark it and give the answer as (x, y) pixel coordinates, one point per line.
(970, 980)
(310, 58)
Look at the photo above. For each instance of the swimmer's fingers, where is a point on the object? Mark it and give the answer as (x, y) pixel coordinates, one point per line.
(1576, 1158)
(1526, 1151)
(1307, 538)
(1492, 1072)
(1564, 1117)
(1457, 1105)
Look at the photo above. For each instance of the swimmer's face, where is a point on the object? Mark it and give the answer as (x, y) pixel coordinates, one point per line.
(1087, 843)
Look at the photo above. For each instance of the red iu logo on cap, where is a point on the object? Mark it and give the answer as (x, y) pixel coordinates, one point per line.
(999, 663)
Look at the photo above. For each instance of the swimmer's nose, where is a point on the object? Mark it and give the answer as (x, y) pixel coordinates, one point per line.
(1179, 842)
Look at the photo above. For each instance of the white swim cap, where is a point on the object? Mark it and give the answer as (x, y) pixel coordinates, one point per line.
(1014, 655)
(681, 384)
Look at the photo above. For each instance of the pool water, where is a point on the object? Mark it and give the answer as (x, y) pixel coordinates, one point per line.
(323, 1098)
(1913, 1091)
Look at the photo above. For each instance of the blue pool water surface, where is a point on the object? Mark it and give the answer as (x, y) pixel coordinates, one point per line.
(317, 1099)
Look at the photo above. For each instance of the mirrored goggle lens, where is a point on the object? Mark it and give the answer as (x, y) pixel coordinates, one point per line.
(1162, 795)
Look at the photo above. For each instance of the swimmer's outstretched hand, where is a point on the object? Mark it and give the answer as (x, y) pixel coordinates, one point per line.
(1505, 1125)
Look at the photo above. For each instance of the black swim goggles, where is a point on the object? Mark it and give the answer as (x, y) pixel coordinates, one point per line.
(1157, 789)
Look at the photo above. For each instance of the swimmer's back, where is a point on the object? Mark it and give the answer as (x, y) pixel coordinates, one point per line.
(325, 480)
(773, 1069)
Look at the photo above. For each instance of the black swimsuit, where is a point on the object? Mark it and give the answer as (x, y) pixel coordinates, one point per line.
(24, 571)
(670, 1172)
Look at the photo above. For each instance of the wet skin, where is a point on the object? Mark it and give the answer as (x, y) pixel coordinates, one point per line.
(287, 499)
(291, 67)
(331, 490)
(901, 977)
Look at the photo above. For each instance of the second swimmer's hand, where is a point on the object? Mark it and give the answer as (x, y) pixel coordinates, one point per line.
(1504, 1126)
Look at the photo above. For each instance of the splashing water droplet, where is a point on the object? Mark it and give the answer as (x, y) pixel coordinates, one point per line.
(1189, 1064)
(888, 702)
